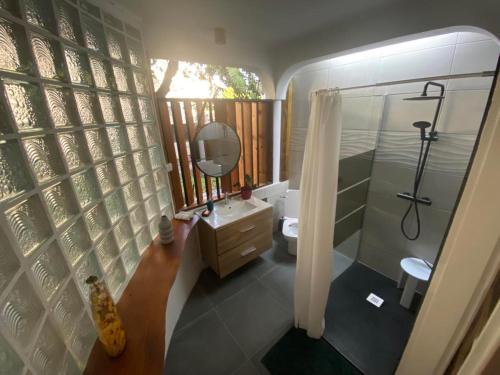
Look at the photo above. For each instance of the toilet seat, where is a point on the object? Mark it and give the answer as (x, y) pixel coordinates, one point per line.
(291, 228)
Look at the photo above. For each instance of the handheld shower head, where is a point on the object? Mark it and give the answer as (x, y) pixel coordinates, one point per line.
(422, 125)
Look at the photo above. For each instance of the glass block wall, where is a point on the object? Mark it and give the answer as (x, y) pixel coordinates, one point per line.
(82, 175)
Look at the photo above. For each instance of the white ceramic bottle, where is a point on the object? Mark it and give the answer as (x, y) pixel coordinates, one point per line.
(166, 230)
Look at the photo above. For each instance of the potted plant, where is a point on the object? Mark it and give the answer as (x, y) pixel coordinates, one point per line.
(246, 190)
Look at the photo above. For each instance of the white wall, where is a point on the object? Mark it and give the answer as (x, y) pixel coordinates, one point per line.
(380, 111)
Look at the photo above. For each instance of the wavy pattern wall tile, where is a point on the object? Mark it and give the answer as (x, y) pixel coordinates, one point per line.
(355, 142)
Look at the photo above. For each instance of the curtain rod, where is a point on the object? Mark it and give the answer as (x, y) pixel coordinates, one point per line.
(486, 73)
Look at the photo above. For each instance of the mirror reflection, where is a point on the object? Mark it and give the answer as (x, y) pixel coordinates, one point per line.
(216, 149)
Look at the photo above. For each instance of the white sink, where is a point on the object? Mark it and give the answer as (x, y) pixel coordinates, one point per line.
(236, 209)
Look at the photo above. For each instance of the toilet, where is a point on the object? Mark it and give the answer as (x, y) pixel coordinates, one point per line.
(291, 224)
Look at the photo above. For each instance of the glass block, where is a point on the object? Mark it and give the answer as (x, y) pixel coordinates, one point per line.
(68, 22)
(115, 206)
(147, 186)
(86, 188)
(83, 340)
(103, 76)
(88, 107)
(93, 34)
(152, 208)
(141, 83)
(143, 239)
(130, 257)
(21, 312)
(26, 103)
(145, 109)
(69, 366)
(160, 178)
(97, 221)
(110, 108)
(117, 139)
(9, 264)
(14, 177)
(123, 232)
(12, 7)
(15, 54)
(48, 57)
(133, 194)
(29, 224)
(156, 157)
(62, 107)
(49, 271)
(164, 199)
(138, 218)
(61, 202)
(5, 127)
(128, 108)
(116, 44)
(40, 13)
(136, 137)
(78, 67)
(43, 157)
(125, 169)
(88, 267)
(153, 226)
(10, 363)
(122, 77)
(75, 242)
(141, 162)
(135, 53)
(151, 135)
(74, 150)
(132, 31)
(66, 309)
(98, 144)
(48, 353)
(90, 8)
(106, 175)
(116, 277)
(106, 251)
(113, 21)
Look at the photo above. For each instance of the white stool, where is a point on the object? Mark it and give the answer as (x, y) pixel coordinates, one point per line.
(413, 270)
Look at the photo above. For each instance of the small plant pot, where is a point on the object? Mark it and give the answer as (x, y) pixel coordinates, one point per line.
(246, 192)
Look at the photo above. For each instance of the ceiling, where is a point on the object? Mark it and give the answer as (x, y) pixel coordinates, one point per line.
(273, 37)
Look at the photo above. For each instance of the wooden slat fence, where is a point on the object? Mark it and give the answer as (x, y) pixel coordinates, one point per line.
(180, 121)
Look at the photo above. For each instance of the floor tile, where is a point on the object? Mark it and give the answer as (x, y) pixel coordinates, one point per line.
(281, 281)
(254, 317)
(204, 348)
(259, 266)
(197, 304)
(279, 252)
(219, 289)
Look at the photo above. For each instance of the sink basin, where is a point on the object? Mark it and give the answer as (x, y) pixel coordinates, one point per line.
(236, 209)
(233, 209)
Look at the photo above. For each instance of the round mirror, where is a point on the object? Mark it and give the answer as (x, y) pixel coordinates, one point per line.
(216, 149)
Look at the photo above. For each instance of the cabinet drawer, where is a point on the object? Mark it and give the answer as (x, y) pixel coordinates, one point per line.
(244, 230)
(244, 252)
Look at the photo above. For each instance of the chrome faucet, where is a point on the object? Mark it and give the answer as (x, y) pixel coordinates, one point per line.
(226, 198)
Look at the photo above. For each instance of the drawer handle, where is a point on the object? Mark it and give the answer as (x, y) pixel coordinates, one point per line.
(247, 229)
(248, 251)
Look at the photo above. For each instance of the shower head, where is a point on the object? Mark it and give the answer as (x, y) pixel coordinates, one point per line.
(422, 125)
(424, 95)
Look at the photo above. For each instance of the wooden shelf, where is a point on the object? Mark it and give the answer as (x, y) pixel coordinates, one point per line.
(142, 308)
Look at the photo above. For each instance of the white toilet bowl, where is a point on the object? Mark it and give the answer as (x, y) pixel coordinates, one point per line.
(291, 224)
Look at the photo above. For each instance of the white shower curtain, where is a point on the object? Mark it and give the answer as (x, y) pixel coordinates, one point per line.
(318, 199)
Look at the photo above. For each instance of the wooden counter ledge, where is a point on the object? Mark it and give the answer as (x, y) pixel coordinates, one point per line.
(142, 308)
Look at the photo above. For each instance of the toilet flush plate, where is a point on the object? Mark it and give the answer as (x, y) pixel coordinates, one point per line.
(375, 300)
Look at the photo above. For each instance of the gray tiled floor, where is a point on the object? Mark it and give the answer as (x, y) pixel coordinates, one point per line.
(227, 325)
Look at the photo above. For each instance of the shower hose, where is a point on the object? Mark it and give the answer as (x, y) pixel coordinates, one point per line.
(414, 204)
